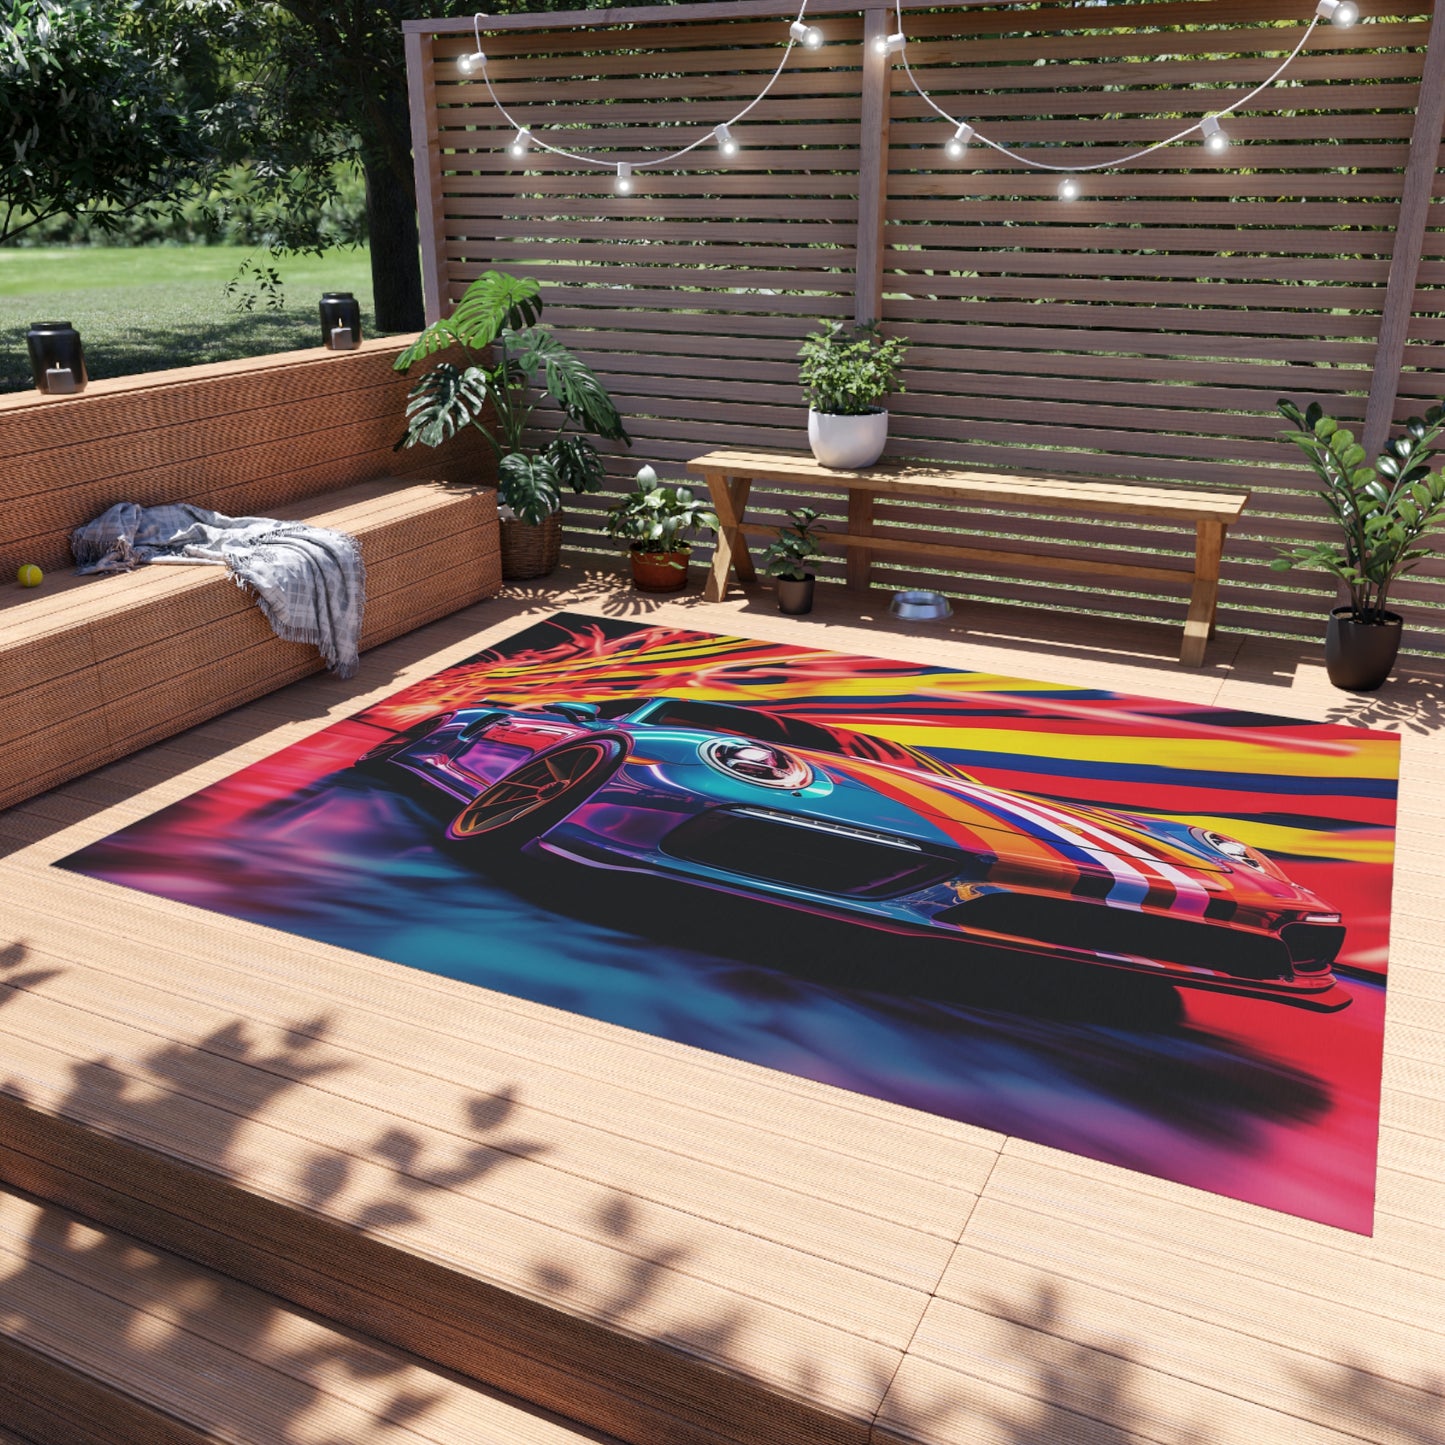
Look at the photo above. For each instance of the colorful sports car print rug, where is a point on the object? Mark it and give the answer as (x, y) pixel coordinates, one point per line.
(1147, 932)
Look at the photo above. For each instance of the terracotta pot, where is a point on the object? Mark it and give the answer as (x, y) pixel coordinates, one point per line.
(1359, 655)
(795, 595)
(529, 549)
(846, 443)
(660, 571)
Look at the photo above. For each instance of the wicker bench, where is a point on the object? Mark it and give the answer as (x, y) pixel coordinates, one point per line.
(95, 667)
(731, 474)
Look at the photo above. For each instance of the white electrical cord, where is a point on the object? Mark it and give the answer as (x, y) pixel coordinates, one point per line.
(972, 133)
(798, 33)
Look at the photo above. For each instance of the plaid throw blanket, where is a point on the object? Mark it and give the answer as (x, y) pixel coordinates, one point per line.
(308, 581)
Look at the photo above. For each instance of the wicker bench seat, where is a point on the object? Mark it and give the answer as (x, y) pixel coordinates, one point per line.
(96, 667)
(92, 668)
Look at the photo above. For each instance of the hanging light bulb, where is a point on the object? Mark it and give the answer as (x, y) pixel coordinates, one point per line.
(521, 141)
(1215, 140)
(1068, 189)
(624, 178)
(1343, 13)
(725, 142)
(469, 63)
(958, 145)
(808, 35)
(890, 44)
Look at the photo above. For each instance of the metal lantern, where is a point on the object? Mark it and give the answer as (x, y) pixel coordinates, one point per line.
(57, 359)
(340, 321)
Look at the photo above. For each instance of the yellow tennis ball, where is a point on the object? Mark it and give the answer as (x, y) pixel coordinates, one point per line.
(30, 575)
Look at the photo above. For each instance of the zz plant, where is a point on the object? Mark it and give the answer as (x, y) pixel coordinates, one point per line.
(790, 554)
(499, 393)
(1384, 509)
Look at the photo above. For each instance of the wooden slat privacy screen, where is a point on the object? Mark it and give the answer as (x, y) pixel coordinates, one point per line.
(1142, 331)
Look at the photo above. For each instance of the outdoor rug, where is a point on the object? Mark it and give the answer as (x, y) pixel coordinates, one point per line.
(1146, 932)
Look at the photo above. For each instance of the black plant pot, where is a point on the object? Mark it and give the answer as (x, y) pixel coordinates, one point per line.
(1359, 655)
(795, 595)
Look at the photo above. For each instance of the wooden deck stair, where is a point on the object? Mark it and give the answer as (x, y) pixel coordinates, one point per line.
(106, 1341)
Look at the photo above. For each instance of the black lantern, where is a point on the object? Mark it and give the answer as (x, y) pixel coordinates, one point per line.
(57, 359)
(340, 321)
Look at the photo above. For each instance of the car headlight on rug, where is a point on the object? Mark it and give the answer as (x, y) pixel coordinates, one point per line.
(755, 762)
(1230, 848)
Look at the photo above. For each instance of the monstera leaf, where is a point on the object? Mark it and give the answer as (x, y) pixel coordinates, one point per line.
(569, 381)
(529, 486)
(577, 463)
(442, 402)
(493, 302)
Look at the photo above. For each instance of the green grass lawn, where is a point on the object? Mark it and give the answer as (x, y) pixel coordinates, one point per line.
(147, 308)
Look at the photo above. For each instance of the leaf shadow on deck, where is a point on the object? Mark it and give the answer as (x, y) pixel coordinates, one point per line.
(1037, 1374)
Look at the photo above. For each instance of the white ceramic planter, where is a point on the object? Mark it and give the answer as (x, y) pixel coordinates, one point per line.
(846, 443)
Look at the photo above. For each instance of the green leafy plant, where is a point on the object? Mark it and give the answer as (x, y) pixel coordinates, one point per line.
(794, 547)
(499, 395)
(1383, 508)
(657, 519)
(848, 370)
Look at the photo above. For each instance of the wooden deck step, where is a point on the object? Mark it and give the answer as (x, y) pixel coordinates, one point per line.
(105, 1339)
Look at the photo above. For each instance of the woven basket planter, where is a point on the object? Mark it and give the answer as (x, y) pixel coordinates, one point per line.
(530, 549)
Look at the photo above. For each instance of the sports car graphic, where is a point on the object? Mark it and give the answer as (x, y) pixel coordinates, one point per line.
(764, 805)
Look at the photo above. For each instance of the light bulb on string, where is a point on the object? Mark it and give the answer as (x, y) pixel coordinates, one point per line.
(1068, 189)
(624, 178)
(957, 146)
(1215, 140)
(1343, 13)
(890, 44)
(521, 142)
(808, 35)
(469, 63)
(725, 141)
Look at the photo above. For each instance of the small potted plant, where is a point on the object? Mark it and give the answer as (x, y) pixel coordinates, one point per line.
(498, 395)
(788, 560)
(847, 372)
(1384, 510)
(656, 522)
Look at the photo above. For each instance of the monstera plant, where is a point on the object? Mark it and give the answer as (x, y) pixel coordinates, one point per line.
(512, 362)
(1384, 509)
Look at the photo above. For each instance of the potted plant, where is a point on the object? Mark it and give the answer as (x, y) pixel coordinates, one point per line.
(655, 521)
(847, 371)
(787, 559)
(498, 395)
(1384, 510)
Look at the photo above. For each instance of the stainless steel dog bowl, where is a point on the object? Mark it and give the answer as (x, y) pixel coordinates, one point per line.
(920, 606)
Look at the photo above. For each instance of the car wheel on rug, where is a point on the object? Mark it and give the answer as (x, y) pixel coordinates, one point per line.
(536, 795)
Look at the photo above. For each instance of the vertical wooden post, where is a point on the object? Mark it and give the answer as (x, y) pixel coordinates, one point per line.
(427, 163)
(1415, 206)
(872, 169)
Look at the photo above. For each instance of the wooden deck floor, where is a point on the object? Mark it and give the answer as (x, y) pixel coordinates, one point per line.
(849, 1270)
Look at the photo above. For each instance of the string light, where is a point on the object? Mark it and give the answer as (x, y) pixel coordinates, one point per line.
(1215, 140)
(957, 148)
(1069, 189)
(521, 142)
(1341, 12)
(799, 33)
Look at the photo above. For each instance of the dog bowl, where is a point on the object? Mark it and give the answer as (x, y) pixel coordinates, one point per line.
(920, 606)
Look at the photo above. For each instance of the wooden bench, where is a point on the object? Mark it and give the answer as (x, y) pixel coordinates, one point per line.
(731, 474)
(96, 667)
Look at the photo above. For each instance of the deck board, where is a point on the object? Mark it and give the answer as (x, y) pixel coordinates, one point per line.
(912, 1279)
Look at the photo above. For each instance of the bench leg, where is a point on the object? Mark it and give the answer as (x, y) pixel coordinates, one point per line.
(729, 500)
(1208, 550)
(860, 523)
